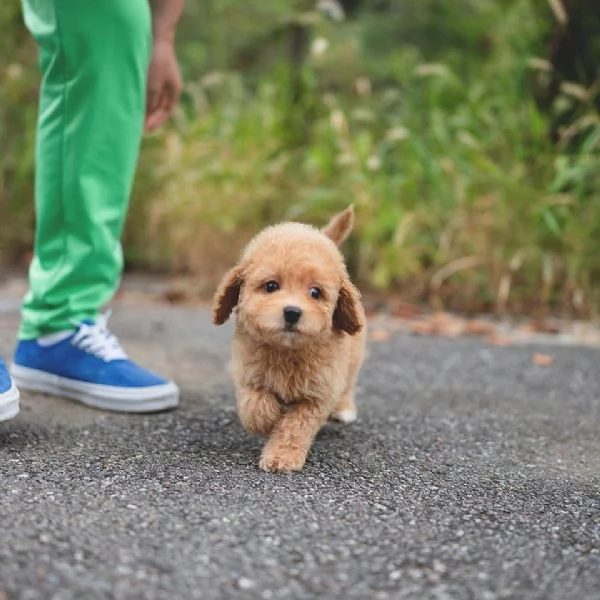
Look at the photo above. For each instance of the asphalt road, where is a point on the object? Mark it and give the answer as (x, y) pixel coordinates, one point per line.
(472, 473)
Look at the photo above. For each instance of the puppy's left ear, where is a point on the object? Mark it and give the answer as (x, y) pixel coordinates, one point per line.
(227, 295)
(340, 226)
(348, 313)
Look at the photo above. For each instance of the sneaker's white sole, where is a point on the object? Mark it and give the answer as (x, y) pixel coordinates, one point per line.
(107, 397)
(9, 404)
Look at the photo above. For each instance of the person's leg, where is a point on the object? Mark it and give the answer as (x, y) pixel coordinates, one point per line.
(9, 395)
(94, 57)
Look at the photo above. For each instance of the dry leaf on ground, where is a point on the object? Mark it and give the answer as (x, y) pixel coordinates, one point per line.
(379, 335)
(498, 340)
(545, 327)
(475, 327)
(536, 327)
(440, 324)
(175, 296)
(446, 325)
(542, 359)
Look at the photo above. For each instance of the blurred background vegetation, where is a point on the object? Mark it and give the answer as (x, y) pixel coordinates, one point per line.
(466, 133)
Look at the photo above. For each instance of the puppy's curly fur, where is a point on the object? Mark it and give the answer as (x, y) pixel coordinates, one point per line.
(299, 339)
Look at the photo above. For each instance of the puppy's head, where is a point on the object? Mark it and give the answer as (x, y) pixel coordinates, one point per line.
(291, 286)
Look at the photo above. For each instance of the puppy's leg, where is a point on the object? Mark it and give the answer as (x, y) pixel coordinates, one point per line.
(258, 410)
(345, 410)
(292, 436)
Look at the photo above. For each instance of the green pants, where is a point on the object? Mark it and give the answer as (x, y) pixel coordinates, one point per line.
(94, 57)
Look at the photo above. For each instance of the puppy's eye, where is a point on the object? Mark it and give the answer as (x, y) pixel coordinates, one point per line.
(271, 286)
(315, 293)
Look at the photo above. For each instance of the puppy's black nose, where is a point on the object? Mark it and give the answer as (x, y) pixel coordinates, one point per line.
(291, 314)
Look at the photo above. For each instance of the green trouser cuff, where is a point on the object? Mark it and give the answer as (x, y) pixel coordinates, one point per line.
(94, 58)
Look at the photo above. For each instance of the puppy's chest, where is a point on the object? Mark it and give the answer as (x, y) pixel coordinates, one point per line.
(290, 378)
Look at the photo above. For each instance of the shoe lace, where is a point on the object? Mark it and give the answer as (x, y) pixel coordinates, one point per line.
(95, 338)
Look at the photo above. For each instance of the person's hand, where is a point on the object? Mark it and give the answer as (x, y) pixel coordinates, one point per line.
(164, 84)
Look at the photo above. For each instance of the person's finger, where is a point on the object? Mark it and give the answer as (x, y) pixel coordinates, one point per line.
(152, 100)
(164, 103)
(164, 109)
(157, 118)
(167, 103)
(153, 121)
(154, 116)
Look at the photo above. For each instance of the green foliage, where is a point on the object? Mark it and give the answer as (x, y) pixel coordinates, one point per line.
(430, 127)
(472, 161)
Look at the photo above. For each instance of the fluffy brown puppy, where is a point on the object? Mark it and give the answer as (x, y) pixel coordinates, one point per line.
(299, 338)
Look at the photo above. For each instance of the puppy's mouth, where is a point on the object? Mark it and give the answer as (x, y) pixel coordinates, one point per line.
(290, 335)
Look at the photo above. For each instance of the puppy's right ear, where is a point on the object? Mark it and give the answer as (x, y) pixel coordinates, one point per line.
(227, 295)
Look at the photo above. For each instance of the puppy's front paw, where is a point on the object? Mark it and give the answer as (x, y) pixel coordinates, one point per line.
(258, 411)
(282, 460)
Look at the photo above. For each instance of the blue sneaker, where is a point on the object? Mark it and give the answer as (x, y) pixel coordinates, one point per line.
(89, 365)
(9, 395)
